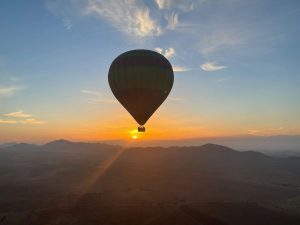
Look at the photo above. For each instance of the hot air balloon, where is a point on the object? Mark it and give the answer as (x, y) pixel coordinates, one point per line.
(141, 80)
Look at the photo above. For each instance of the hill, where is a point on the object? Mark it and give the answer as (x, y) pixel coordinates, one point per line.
(63, 182)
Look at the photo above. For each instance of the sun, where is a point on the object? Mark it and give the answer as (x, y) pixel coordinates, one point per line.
(134, 134)
(134, 137)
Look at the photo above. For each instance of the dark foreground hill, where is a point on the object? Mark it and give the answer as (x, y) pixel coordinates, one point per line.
(79, 183)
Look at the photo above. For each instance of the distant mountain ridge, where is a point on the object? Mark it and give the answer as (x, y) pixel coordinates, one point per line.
(209, 151)
(281, 145)
(62, 143)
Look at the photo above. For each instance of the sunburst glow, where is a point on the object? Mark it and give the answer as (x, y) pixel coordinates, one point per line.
(134, 134)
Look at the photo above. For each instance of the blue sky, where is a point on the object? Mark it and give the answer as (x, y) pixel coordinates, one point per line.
(236, 66)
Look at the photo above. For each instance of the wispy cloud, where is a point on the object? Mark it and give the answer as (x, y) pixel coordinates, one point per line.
(26, 121)
(211, 66)
(127, 16)
(96, 97)
(176, 98)
(168, 53)
(180, 69)
(222, 79)
(266, 132)
(9, 91)
(21, 118)
(172, 20)
(186, 5)
(159, 50)
(32, 121)
(67, 23)
(90, 92)
(140, 19)
(18, 114)
(8, 121)
(163, 4)
(132, 17)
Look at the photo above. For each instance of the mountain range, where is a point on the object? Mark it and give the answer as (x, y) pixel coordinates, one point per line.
(65, 182)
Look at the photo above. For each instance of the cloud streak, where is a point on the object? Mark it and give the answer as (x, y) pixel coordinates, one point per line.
(176, 98)
(20, 118)
(180, 69)
(172, 21)
(222, 79)
(67, 23)
(163, 4)
(32, 121)
(266, 132)
(186, 5)
(18, 114)
(8, 122)
(211, 66)
(26, 121)
(9, 91)
(90, 92)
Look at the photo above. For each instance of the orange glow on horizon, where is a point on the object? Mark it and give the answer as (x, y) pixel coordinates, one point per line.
(119, 125)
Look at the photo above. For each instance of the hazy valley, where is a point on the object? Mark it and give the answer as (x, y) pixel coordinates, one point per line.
(80, 183)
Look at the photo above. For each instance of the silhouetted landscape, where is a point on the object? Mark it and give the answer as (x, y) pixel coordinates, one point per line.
(276, 145)
(64, 182)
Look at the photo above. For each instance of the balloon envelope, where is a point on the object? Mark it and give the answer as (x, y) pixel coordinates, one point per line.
(141, 80)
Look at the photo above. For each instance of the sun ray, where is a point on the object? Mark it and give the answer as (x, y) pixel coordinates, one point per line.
(99, 172)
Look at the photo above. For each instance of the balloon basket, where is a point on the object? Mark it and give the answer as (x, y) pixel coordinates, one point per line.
(141, 129)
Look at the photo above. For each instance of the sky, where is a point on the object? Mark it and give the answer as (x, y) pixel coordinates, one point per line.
(235, 62)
